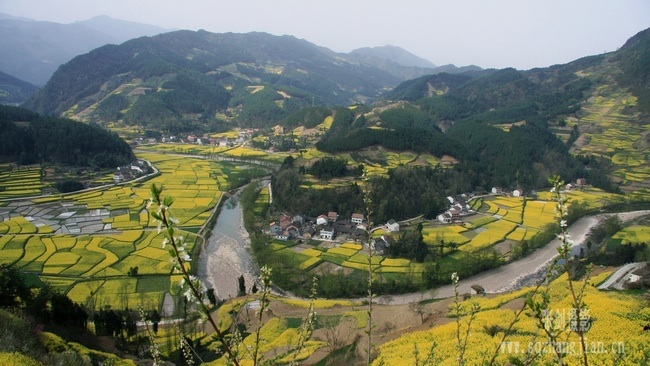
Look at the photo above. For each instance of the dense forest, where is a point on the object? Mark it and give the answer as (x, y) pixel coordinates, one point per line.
(28, 138)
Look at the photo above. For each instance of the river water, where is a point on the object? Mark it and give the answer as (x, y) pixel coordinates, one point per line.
(227, 254)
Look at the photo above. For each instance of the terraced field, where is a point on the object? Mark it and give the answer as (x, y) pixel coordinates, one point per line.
(18, 182)
(610, 131)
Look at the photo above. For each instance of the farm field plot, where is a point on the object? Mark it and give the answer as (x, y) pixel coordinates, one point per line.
(71, 262)
(633, 234)
(20, 181)
(590, 197)
(448, 234)
(489, 235)
(538, 214)
(186, 149)
(608, 328)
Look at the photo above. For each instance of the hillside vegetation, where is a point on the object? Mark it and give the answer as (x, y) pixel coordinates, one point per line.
(28, 138)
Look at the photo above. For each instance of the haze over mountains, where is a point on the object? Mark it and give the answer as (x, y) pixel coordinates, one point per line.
(33, 50)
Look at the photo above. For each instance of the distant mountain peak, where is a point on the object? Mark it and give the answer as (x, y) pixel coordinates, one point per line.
(121, 30)
(395, 54)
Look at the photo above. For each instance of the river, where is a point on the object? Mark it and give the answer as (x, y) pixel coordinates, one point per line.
(227, 254)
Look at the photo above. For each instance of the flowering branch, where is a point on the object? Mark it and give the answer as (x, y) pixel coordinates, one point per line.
(196, 290)
(577, 297)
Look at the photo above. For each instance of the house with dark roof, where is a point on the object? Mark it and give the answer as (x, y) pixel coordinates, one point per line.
(327, 233)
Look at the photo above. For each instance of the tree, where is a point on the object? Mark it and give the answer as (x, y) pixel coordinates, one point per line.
(419, 307)
(13, 290)
(155, 319)
(241, 285)
(411, 245)
(211, 297)
(337, 331)
(133, 271)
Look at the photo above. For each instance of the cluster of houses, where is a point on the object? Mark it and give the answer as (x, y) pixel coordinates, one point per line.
(130, 172)
(458, 206)
(203, 140)
(579, 184)
(327, 227)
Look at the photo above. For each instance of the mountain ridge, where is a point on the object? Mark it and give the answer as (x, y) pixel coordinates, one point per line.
(307, 73)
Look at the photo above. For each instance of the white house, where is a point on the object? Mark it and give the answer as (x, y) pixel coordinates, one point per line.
(444, 218)
(321, 220)
(357, 218)
(517, 193)
(392, 226)
(327, 233)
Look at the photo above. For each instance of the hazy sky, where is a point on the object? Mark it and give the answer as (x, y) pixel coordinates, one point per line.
(488, 33)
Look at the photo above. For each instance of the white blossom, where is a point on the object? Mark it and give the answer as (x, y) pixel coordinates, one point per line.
(454, 277)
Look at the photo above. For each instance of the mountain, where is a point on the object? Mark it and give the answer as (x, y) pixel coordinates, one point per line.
(33, 50)
(402, 63)
(394, 54)
(121, 30)
(178, 79)
(516, 128)
(14, 91)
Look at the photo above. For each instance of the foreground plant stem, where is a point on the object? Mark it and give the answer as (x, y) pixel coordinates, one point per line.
(180, 257)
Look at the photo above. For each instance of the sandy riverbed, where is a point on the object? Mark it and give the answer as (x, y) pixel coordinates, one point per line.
(227, 256)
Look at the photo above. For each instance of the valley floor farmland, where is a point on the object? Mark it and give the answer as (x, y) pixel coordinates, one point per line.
(100, 246)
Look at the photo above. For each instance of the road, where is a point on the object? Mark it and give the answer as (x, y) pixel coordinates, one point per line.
(514, 275)
(618, 278)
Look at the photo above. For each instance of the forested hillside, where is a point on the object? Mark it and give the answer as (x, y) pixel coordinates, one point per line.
(27, 138)
(14, 91)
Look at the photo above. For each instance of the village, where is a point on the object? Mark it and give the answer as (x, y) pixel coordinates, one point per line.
(333, 230)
